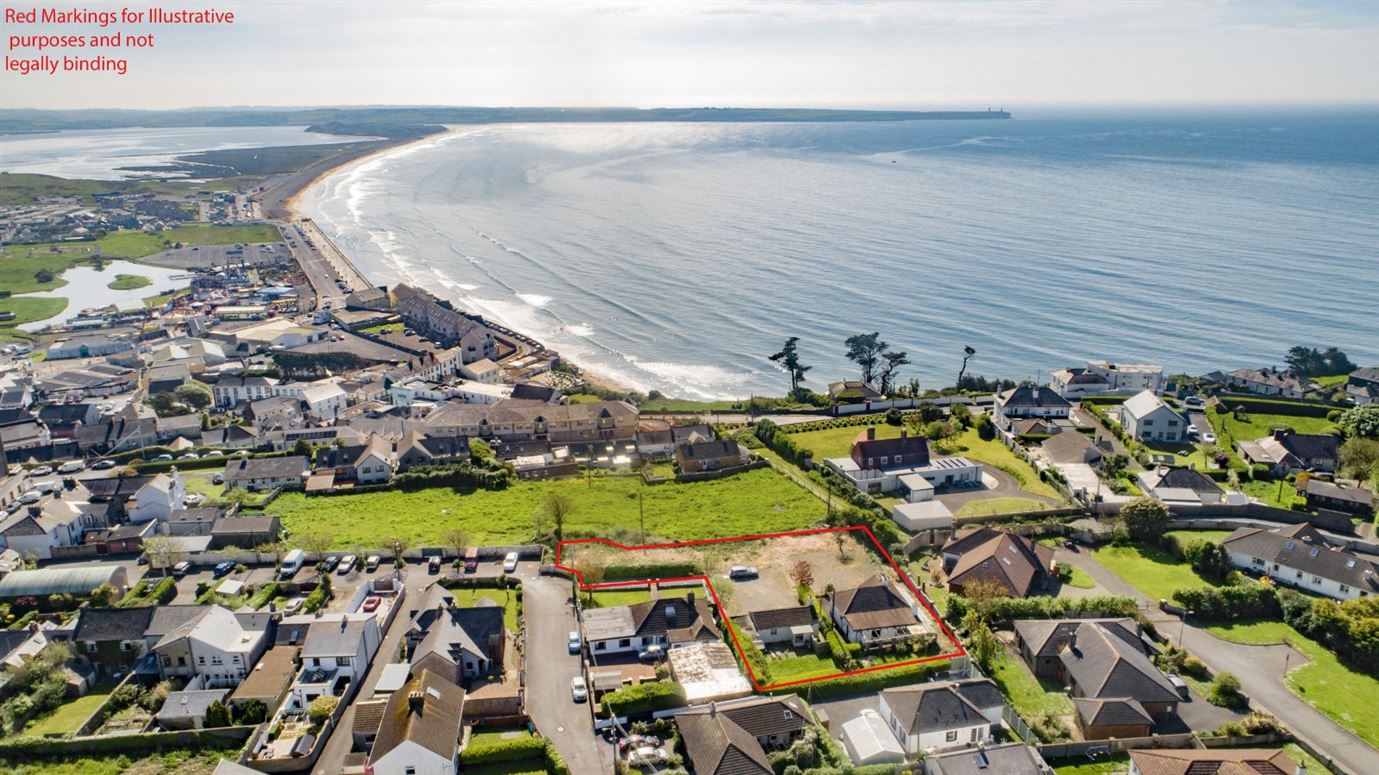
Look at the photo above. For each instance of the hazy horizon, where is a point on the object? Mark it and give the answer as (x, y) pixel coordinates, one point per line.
(842, 55)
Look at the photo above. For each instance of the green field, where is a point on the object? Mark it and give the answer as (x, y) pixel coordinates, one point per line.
(69, 715)
(28, 309)
(1026, 693)
(837, 442)
(994, 453)
(1343, 693)
(1188, 537)
(18, 188)
(468, 598)
(137, 244)
(753, 502)
(19, 264)
(128, 282)
(1229, 430)
(1153, 571)
(170, 763)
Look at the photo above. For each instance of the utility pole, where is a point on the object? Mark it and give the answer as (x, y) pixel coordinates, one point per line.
(641, 515)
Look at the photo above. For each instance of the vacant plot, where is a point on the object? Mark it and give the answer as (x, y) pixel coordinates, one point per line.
(1188, 537)
(1341, 692)
(753, 502)
(1153, 571)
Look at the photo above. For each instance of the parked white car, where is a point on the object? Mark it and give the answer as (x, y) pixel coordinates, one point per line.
(510, 563)
(578, 690)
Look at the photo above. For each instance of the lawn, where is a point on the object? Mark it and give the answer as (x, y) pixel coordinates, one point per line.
(1188, 537)
(28, 309)
(610, 598)
(837, 442)
(795, 667)
(1279, 494)
(1343, 693)
(532, 766)
(994, 453)
(19, 264)
(1119, 763)
(1080, 578)
(468, 598)
(1026, 693)
(1000, 506)
(128, 282)
(69, 715)
(759, 501)
(498, 735)
(1153, 571)
(1230, 430)
(169, 763)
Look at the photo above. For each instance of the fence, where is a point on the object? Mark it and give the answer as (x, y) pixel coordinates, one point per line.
(1337, 524)
(1082, 749)
(704, 476)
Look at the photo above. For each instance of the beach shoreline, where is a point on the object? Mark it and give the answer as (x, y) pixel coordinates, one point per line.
(290, 203)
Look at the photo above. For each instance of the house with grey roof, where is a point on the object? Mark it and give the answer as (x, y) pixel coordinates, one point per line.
(1146, 417)
(943, 714)
(213, 644)
(458, 642)
(1285, 452)
(1097, 659)
(1340, 497)
(1181, 486)
(187, 709)
(1018, 564)
(1301, 556)
(1028, 401)
(1006, 759)
(733, 738)
(267, 473)
(793, 626)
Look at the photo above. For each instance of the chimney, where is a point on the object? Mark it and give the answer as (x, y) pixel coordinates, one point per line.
(713, 711)
(1279, 434)
(414, 702)
(691, 599)
(871, 433)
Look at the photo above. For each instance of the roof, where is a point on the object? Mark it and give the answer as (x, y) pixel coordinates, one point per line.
(1143, 403)
(266, 467)
(1070, 447)
(96, 625)
(1304, 548)
(1105, 665)
(333, 638)
(1111, 712)
(227, 767)
(708, 450)
(1226, 761)
(1013, 561)
(723, 740)
(1339, 492)
(1181, 479)
(266, 679)
(78, 580)
(190, 704)
(1032, 396)
(941, 706)
(870, 741)
(678, 618)
(914, 448)
(1047, 637)
(458, 629)
(427, 712)
(775, 618)
(213, 625)
(872, 605)
(1007, 759)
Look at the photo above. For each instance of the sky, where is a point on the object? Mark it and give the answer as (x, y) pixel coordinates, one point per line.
(901, 55)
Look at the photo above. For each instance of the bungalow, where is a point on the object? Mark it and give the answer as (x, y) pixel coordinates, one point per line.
(1300, 556)
(1074, 449)
(1339, 497)
(660, 444)
(732, 738)
(1098, 659)
(1006, 759)
(1015, 563)
(1185, 486)
(1147, 418)
(1220, 761)
(854, 391)
(1285, 452)
(267, 473)
(941, 715)
(794, 626)
(419, 732)
(710, 456)
(1362, 386)
(187, 709)
(1030, 401)
(457, 642)
(244, 532)
(874, 614)
(1268, 381)
(665, 622)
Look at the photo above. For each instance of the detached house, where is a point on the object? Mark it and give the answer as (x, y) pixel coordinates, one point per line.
(1300, 556)
(1030, 401)
(794, 626)
(266, 473)
(874, 614)
(732, 738)
(1267, 381)
(1099, 659)
(665, 622)
(419, 732)
(1285, 452)
(941, 715)
(458, 643)
(1016, 563)
(1147, 418)
(710, 456)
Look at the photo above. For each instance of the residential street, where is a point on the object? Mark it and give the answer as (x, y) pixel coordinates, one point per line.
(550, 667)
(1259, 668)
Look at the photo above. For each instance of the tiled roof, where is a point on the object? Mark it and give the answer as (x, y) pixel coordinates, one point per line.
(1110, 712)
(872, 605)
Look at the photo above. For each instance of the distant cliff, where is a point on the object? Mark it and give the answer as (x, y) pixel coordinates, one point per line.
(408, 119)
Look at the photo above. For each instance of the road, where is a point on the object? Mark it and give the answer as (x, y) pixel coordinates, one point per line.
(550, 667)
(1260, 670)
(319, 270)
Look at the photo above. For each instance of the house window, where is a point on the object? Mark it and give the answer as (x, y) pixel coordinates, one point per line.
(345, 661)
(976, 734)
(624, 643)
(951, 736)
(409, 771)
(200, 660)
(1256, 561)
(1316, 579)
(1344, 589)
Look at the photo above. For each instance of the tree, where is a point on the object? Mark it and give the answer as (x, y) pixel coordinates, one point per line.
(456, 540)
(967, 354)
(315, 544)
(802, 574)
(1311, 362)
(894, 360)
(162, 553)
(841, 540)
(320, 708)
(217, 715)
(194, 394)
(1358, 457)
(865, 350)
(789, 357)
(1145, 518)
(960, 415)
(982, 645)
(302, 448)
(1362, 421)
(397, 545)
(480, 451)
(164, 404)
(557, 507)
(252, 712)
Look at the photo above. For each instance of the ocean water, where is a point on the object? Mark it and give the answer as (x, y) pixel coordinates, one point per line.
(99, 154)
(679, 256)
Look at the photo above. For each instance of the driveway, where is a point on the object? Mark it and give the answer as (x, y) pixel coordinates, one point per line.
(550, 667)
(1260, 670)
(1006, 486)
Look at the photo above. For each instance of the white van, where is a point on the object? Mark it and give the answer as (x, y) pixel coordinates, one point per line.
(292, 563)
(71, 467)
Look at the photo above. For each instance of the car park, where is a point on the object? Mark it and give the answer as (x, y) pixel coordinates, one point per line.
(371, 604)
(574, 642)
(510, 563)
(346, 564)
(741, 572)
(578, 690)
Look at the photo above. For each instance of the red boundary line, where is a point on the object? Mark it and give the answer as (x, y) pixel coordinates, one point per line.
(579, 575)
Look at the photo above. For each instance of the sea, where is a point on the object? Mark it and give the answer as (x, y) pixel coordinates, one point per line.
(106, 154)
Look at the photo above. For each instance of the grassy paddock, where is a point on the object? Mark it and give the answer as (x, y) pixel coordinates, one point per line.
(758, 501)
(1153, 571)
(28, 309)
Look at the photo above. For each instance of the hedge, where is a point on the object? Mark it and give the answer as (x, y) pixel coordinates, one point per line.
(873, 681)
(644, 698)
(504, 751)
(1230, 603)
(228, 738)
(1007, 609)
(555, 763)
(1275, 406)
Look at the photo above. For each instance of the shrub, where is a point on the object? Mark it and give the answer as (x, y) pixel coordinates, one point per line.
(320, 708)
(217, 715)
(872, 681)
(1230, 603)
(1007, 609)
(1224, 691)
(644, 698)
(513, 750)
